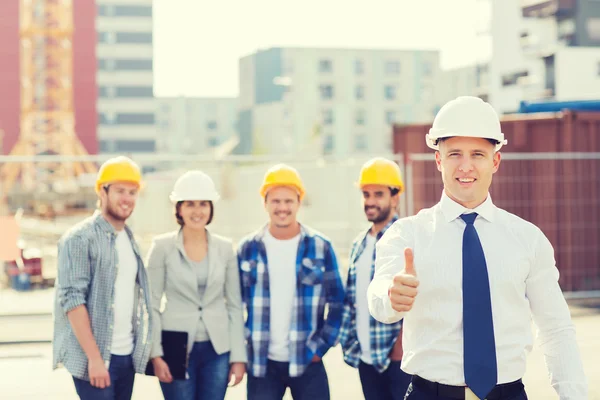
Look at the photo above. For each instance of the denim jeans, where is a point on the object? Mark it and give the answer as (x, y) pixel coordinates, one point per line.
(121, 374)
(390, 384)
(312, 385)
(208, 373)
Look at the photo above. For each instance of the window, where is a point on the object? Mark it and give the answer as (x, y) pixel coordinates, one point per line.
(125, 64)
(390, 117)
(135, 119)
(326, 91)
(392, 67)
(135, 146)
(124, 11)
(390, 92)
(513, 79)
(134, 37)
(165, 125)
(211, 125)
(360, 117)
(106, 37)
(130, 65)
(359, 92)
(325, 66)
(327, 116)
(135, 91)
(359, 67)
(427, 70)
(328, 144)
(361, 142)
(213, 141)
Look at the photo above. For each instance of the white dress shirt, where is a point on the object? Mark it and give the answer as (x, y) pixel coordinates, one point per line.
(523, 283)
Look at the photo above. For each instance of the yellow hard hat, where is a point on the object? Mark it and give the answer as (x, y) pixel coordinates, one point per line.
(380, 171)
(118, 169)
(282, 175)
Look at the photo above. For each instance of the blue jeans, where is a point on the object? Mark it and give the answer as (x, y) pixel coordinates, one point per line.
(312, 385)
(121, 374)
(208, 373)
(390, 384)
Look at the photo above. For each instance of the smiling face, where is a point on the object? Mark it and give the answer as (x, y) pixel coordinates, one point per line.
(118, 200)
(194, 214)
(467, 165)
(282, 204)
(378, 203)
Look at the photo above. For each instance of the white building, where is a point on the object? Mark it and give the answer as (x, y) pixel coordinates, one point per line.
(543, 49)
(188, 125)
(338, 101)
(126, 106)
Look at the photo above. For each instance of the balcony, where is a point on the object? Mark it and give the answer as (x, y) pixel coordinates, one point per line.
(547, 8)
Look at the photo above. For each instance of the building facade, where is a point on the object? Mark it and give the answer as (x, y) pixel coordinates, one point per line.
(126, 106)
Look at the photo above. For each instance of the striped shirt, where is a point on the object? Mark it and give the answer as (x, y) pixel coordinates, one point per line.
(382, 336)
(318, 284)
(87, 270)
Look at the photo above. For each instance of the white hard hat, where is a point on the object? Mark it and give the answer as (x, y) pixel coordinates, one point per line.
(466, 116)
(194, 185)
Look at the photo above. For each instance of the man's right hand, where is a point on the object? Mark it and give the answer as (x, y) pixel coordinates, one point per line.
(161, 370)
(403, 290)
(99, 376)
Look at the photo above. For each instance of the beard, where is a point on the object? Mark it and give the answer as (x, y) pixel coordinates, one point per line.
(382, 214)
(113, 212)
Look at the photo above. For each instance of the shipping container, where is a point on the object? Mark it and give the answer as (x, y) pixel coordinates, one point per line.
(549, 175)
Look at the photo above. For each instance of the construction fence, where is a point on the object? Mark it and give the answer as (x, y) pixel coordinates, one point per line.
(559, 192)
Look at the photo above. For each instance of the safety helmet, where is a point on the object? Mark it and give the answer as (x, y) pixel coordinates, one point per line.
(466, 116)
(282, 175)
(118, 169)
(194, 185)
(380, 171)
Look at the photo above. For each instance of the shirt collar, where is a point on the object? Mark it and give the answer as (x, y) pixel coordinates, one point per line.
(452, 210)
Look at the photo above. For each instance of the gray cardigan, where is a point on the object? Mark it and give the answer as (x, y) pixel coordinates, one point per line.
(172, 276)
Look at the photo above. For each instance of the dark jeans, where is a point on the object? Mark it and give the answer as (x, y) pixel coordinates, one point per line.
(416, 393)
(391, 384)
(312, 385)
(208, 373)
(122, 375)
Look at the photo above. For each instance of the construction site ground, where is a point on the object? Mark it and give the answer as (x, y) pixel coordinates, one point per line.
(26, 356)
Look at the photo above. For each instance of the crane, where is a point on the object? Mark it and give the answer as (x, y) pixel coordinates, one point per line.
(47, 114)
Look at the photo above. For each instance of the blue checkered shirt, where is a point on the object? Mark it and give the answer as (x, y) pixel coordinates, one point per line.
(318, 284)
(87, 270)
(382, 336)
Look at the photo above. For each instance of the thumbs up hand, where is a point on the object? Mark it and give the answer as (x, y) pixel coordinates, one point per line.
(403, 290)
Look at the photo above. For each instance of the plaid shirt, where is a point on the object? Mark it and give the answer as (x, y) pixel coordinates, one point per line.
(383, 336)
(87, 270)
(318, 284)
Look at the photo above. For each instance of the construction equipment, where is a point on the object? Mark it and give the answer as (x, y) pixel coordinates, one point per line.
(47, 115)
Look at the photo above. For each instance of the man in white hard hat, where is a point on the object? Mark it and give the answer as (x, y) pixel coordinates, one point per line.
(466, 277)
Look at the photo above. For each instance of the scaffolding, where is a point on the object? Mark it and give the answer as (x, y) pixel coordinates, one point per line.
(47, 112)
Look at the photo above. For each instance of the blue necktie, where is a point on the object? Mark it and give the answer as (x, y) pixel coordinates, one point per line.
(481, 372)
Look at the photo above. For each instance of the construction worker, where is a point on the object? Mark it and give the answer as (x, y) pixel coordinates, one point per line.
(289, 274)
(196, 271)
(102, 320)
(372, 347)
(467, 276)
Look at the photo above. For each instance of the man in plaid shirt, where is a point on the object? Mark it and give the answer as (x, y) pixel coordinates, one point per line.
(289, 274)
(102, 323)
(372, 347)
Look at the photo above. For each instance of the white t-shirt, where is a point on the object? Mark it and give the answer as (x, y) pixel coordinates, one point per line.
(281, 258)
(363, 317)
(122, 343)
